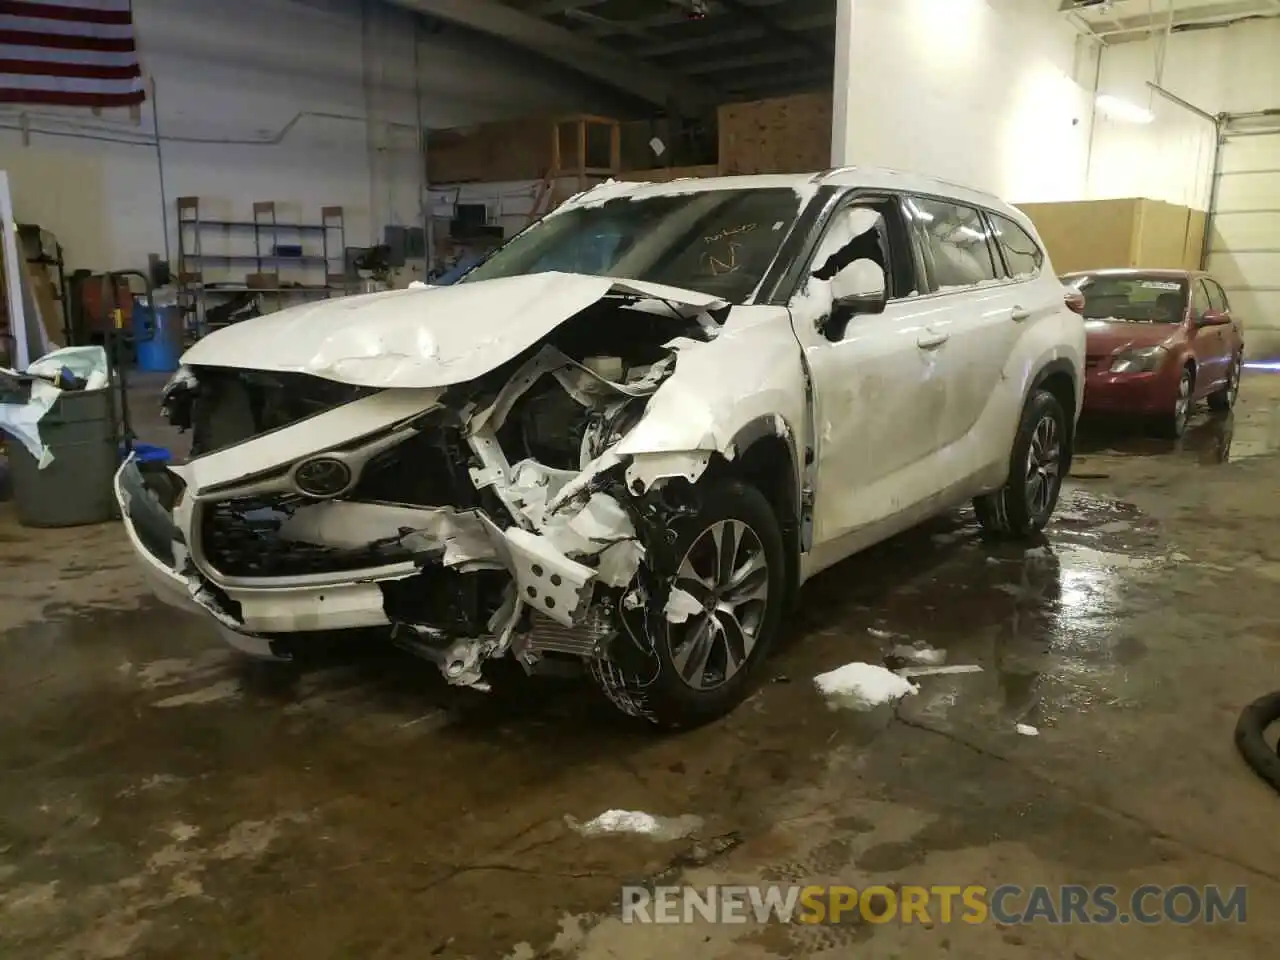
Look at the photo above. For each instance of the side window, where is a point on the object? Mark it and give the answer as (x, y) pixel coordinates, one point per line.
(868, 229)
(957, 250)
(1199, 298)
(1217, 296)
(1021, 253)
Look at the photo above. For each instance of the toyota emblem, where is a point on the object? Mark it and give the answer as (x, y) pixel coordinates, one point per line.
(322, 477)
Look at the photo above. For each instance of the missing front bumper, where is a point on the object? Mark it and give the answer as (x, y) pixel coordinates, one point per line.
(559, 590)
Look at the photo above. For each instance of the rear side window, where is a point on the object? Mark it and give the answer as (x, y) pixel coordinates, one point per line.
(956, 248)
(1021, 253)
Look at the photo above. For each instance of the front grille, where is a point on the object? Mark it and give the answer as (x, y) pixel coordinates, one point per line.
(429, 469)
(241, 538)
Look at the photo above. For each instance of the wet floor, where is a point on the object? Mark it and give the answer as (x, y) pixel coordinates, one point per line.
(161, 798)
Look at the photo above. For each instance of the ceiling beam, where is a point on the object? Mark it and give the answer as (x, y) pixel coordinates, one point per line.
(623, 72)
(1207, 14)
(764, 58)
(737, 35)
(550, 8)
(770, 23)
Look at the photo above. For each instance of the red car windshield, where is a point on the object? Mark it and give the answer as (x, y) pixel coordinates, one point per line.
(1133, 297)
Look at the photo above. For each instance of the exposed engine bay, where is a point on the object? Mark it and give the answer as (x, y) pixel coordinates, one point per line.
(497, 521)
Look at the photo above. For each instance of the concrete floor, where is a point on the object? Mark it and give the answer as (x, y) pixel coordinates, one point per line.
(161, 799)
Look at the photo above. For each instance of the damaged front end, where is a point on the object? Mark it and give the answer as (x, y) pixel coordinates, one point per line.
(477, 520)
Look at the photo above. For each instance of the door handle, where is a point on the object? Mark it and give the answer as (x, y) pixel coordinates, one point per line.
(931, 341)
(1019, 314)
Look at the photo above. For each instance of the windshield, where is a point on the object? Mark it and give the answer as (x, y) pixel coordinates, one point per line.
(718, 242)
(1137, 299)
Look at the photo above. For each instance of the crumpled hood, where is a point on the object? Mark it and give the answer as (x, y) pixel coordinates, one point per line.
(418, 338)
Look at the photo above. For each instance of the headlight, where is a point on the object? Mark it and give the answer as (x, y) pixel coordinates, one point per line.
(1141, 360)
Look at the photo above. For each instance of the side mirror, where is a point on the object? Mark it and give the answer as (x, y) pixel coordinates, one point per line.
(1213, 318)
(859, 289)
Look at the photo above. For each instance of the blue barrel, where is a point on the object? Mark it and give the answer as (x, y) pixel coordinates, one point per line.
(157, 336)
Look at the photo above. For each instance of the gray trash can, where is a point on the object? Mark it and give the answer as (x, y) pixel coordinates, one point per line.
(76, 487)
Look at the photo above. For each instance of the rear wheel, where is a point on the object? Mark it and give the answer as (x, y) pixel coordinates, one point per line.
(709, 642)
(1174, 423)
(1022, 507)
(1225, 398)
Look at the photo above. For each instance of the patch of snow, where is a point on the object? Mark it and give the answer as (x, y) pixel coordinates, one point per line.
(881, 634)
(182, 832)
(637, 822)
(862, 686)
(938, 671)
(924, 655)
(1027, 730)
(681, 605)
(223, 690)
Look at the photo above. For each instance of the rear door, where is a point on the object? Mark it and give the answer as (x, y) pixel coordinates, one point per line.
(980, 309)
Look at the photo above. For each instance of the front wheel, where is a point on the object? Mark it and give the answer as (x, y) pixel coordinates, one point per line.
(1022, 507)
(1174, 423)
(716, 629)
(1225, 398)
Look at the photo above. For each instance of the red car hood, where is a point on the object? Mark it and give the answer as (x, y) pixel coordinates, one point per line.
(1105, 337)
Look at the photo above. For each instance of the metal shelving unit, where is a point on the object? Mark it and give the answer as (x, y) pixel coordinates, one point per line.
(312, 272)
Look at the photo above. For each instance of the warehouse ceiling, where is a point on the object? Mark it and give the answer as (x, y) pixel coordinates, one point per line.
(732, 49)
(1116, 21)
(676, 53)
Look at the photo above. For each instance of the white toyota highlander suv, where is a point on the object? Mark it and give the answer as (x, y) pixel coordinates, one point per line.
(623, 441)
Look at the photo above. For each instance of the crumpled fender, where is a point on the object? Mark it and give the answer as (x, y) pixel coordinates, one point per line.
(716, 397)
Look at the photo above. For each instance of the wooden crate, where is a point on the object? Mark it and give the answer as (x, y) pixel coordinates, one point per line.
(779, 135)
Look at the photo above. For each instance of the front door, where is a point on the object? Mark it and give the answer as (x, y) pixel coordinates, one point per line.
(879, 387)
(1210, 343)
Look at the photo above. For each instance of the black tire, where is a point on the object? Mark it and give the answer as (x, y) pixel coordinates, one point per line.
(1173, 424)
(1225, 398)
(1251, 737)
(1021, 508)
(654, 690)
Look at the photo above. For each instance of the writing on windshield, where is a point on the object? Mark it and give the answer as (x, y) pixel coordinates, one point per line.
(718, 242)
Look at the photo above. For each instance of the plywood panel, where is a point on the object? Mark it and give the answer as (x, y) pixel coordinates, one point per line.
(780, 135)
(665, 174)
(1161, 235)
(1194, 246)
(501, 151)
(1086, 235)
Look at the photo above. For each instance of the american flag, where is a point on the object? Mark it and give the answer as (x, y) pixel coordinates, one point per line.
(71, 53)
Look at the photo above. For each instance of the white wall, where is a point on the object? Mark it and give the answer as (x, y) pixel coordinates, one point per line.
(1230, 69)
(316, 103)
(991, 93)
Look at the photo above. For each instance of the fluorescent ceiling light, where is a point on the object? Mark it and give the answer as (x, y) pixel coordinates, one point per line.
(1118, 109)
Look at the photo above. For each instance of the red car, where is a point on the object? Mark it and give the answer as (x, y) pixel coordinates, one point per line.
(1157, 342)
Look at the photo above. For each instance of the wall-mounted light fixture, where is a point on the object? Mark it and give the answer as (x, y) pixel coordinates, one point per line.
(1118, 109)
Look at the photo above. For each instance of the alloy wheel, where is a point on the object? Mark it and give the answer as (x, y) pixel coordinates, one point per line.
(725, 570)
(1044, 466)
(1233, 383)
(1182, 405)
